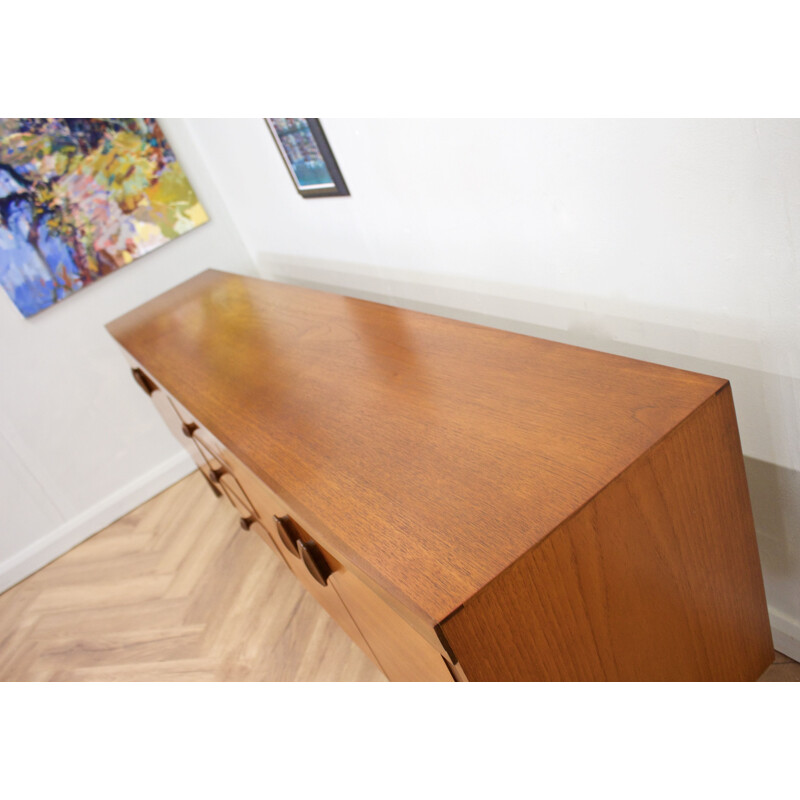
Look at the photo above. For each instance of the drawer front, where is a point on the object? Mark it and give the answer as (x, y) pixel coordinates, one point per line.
(205, 451)
(218, 464)
(181, 427)
(219, 461)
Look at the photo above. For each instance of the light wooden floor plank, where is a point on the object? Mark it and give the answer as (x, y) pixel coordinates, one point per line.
(174, 591)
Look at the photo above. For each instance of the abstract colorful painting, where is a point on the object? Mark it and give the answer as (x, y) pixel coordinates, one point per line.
(80, 198)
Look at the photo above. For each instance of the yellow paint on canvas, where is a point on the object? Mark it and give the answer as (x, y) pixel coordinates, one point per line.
(173, 205)
(197, 215)
(122, 168)
(148, 235)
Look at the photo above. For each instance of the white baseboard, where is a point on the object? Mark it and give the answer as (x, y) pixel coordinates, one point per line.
(72, 532)
(785, 634)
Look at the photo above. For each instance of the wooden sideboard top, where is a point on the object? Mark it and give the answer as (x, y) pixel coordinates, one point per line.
(432, 453)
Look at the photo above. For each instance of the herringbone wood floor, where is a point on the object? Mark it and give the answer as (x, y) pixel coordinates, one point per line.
(177, 591)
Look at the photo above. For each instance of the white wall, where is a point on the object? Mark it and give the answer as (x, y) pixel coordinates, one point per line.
(672, 241)
(80, 445)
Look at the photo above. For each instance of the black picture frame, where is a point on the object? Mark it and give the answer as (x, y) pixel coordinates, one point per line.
(308, 156)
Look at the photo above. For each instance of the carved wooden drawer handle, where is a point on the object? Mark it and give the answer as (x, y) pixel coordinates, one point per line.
(146, 383)
(188, 429)
(314, 560)
(216, 474)
(288, 533)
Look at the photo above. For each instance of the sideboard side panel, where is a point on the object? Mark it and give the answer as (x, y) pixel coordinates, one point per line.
(657, 578)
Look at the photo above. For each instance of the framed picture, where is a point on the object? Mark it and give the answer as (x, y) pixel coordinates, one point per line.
(307, 156)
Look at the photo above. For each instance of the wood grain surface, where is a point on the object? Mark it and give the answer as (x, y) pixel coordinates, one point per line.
(657, 579)
(432, 453)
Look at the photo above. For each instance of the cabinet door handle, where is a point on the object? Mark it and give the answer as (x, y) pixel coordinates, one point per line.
(217, 473)
(246, 522)
(289, 535)
(314, 560)
(188, 429)
(146, 383)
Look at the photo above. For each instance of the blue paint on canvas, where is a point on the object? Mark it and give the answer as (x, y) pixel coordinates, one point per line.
(311, 173)
(302, 152)
(34, 279)
(81, 198)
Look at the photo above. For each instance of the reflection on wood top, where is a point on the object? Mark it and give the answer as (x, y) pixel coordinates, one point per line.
(432, 453)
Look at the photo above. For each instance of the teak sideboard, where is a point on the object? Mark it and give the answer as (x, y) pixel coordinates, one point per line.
(467, 503)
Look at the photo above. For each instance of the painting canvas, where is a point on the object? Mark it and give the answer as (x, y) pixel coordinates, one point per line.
(80, 198)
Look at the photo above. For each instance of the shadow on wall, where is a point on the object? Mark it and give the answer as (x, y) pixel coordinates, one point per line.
(724, 347)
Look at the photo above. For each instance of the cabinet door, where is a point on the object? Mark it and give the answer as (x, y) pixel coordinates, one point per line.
(401, 652)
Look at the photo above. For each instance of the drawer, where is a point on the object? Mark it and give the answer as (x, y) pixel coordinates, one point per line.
(224, 470)
(177, 420)
(219, 461)
(214, 463)
(206, 451)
